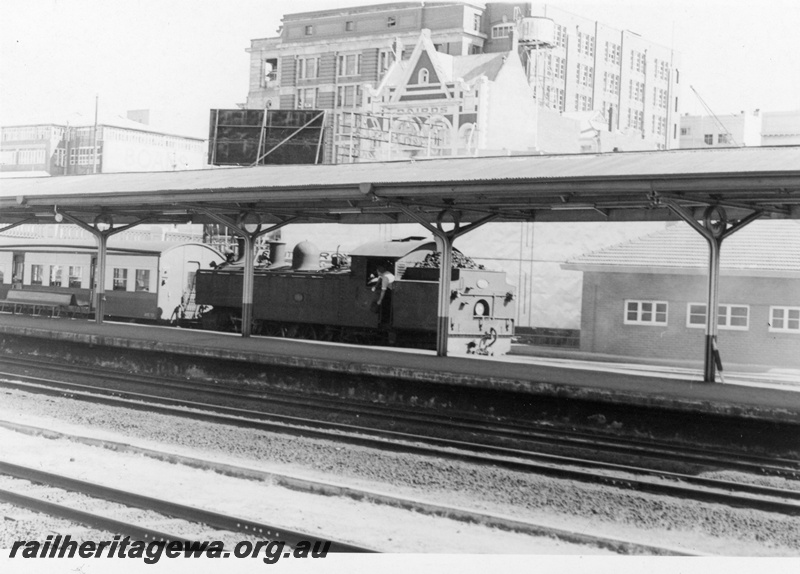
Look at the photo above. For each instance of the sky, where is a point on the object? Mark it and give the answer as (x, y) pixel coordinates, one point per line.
(181, 58)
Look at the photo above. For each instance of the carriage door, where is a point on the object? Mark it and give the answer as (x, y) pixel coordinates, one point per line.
(17, 270)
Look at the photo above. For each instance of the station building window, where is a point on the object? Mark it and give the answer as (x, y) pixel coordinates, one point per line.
(645, 312)
(784, 319)
(120, 279)
(75, 276)
(2, 274)
(708, 139)
(37, 274)
(736, 317)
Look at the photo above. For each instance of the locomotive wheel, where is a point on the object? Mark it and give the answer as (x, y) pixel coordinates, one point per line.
(271, 329)
(302, 331)
(329, 334)
(307, 332)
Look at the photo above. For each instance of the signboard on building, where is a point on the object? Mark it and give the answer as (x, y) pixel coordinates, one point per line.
(263, 137)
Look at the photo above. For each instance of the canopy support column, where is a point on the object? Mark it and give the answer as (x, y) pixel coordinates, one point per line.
(248, 227)
(714, 228)
(102, 228)
(444, 242)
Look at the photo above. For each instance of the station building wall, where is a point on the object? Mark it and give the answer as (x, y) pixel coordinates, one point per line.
(603, 328)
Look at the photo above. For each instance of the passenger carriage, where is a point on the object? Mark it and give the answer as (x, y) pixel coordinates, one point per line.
(145, 281)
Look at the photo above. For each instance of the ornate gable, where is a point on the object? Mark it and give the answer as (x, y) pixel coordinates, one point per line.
(426, 74)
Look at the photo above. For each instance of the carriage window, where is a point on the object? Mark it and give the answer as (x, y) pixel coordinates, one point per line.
(120, 279)
(75, 276)
(37, 272)
(143, 280)
(56, 275)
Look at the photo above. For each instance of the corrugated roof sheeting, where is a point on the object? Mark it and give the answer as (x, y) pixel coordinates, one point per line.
(581, 187)
(678, 163)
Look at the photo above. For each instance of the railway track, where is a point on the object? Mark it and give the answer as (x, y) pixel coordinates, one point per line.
(490, 431)
(200, 521)
(95, 506)
(654, 481)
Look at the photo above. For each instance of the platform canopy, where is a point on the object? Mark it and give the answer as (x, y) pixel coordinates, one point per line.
(624, 186)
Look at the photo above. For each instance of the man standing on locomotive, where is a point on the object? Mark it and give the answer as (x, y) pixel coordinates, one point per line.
(384, 282)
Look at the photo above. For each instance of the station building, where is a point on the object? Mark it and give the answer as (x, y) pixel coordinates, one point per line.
(334, 59)
(122, 145)
(646, 297)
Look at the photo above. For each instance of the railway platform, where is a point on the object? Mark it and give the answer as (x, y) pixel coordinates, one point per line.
(669, 388)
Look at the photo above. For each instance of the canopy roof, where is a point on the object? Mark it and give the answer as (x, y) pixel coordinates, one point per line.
(625, 186)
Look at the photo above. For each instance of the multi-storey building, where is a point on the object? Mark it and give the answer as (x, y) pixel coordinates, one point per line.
(327, 59)
(780, 128)
(743, 129)
(730, 130)
(592, 66)
(32, 150)
(437, 105)
(115, 145)
(323, 59)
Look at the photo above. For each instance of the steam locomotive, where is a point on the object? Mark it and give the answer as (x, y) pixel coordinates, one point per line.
(339, 302)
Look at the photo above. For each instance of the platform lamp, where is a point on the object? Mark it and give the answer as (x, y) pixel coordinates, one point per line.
(103, 222)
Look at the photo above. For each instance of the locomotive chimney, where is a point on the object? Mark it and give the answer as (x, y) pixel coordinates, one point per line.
(277, 254)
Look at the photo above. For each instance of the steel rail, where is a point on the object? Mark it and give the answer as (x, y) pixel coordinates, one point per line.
(621, 546)
(188, 513)
(87, 518)
(679, 485)
(508, 430)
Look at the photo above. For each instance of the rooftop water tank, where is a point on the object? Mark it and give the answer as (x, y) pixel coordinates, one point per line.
(537, 32)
